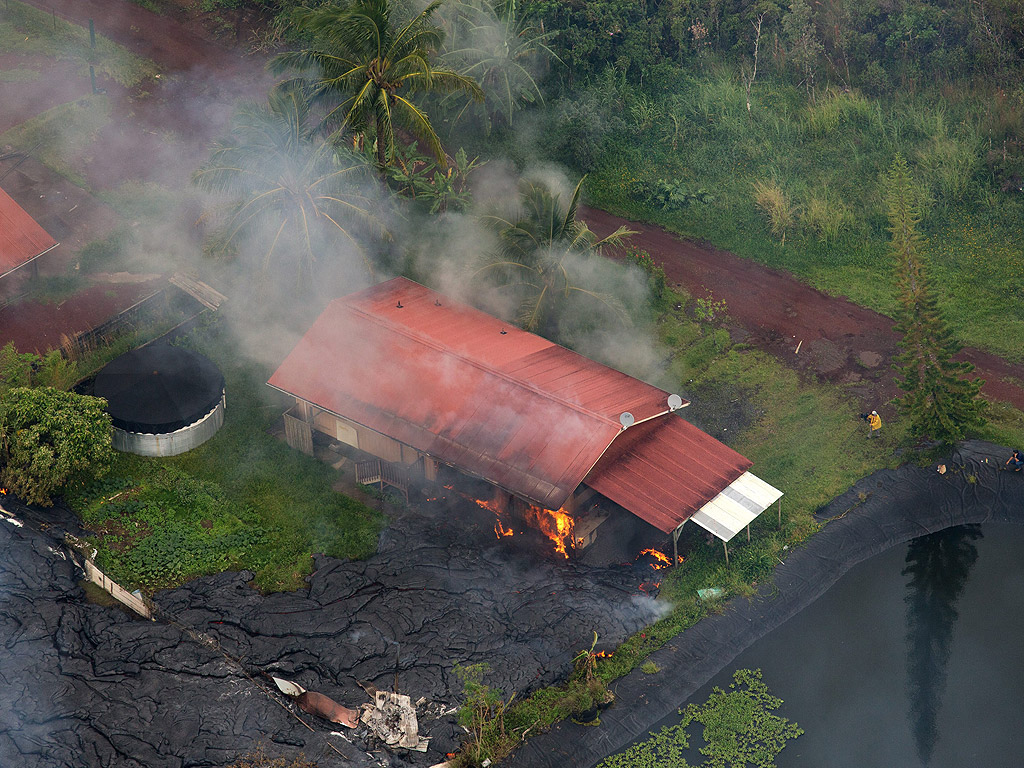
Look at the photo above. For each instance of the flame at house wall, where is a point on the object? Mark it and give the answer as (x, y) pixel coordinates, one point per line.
(500, 529)
(557, 525)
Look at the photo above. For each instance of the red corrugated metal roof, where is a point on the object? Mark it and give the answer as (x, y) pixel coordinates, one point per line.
(464, 387)
(21, 239)
(665, 470)
(503, 404)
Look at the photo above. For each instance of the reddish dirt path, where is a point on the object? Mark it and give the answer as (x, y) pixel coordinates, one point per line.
(839, 340)
(164, 126)
(173, 45)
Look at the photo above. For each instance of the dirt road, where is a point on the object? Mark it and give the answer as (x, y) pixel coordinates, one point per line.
(839, 341)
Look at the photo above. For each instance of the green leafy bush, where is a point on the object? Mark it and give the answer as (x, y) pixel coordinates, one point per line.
(50, 440)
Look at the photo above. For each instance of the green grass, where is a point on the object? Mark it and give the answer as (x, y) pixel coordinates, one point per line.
(828, 160)
(243, 499)
(61, 135)
(29, 30)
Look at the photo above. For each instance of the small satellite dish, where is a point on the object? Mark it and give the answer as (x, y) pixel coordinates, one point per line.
(675, 401)
(626, 419)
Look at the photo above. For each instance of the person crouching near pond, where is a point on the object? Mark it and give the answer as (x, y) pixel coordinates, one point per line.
(874, 422)
(1015, 462)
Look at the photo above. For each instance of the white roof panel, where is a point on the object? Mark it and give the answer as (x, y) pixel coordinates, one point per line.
(736, 506)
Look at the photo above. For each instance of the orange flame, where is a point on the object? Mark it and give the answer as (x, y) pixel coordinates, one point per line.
(499, 527)
(604, 654)
(3, 491)
(557, 525)
(488, 505)
(661, 559)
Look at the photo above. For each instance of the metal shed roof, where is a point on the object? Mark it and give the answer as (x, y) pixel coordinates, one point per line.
(665, 470)
(513, 408)
(21, 238)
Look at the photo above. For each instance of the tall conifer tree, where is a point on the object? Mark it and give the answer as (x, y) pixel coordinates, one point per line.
(939, 400)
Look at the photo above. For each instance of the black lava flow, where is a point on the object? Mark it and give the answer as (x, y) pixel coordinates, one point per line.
(88, 685)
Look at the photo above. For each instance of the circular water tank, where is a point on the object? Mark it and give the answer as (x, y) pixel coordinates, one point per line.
(163, 400)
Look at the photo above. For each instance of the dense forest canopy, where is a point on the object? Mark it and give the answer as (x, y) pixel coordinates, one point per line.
(869, 44)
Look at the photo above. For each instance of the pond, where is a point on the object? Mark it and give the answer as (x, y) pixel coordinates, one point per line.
(913, 658)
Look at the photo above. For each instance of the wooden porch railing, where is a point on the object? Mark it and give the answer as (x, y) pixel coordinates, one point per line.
(377, 471)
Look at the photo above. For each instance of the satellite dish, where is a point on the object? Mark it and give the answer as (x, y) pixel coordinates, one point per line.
(626, 419)
(675, 401)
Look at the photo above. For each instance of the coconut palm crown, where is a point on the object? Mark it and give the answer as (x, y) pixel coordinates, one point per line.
(289, 195)
(376, 67)
(541, 255)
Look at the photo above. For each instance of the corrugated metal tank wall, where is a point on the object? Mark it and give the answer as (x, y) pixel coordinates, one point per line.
(171, 443)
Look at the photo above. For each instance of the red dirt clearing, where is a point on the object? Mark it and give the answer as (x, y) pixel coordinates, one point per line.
(838, 340)
(37, 327)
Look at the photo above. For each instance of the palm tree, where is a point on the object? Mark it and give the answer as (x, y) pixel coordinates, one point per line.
(542, 256)
(502, 49)
(290, 193)
(376, 67)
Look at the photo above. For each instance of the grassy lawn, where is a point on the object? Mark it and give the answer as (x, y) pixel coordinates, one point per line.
(827, 159)
(62, 133)
(242, 500)
(29, 30)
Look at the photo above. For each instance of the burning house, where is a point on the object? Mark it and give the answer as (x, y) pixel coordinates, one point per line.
(424, 385)
(22, 242)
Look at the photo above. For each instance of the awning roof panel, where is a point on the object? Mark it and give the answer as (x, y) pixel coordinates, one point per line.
(663, 471)
(736, 506)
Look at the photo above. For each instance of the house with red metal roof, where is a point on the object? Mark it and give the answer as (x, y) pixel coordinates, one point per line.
(423, 383)
(22, 240)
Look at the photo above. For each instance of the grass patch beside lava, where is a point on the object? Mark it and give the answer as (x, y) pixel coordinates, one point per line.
(242, 500)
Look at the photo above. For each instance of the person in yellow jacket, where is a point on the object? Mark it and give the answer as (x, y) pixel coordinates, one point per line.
(874, 423)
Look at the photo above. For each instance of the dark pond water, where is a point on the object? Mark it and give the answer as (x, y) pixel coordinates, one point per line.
(914, 658)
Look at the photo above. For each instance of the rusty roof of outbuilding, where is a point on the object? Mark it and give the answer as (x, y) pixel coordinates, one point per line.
(487, 398)
(21, 238)
(665, 470)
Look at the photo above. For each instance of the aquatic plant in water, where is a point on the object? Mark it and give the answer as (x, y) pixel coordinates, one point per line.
(740, 729)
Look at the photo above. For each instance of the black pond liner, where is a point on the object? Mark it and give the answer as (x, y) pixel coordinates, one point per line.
(897, 506)
(158, 388)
